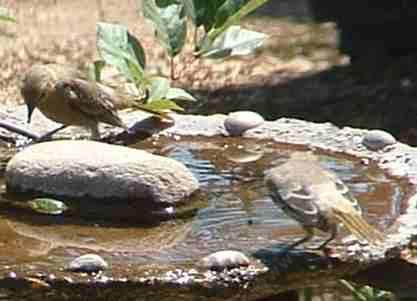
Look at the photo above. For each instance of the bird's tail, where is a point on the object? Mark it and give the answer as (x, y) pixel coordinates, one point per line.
(355, 223)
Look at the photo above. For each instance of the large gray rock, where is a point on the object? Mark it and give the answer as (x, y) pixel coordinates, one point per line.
(98, 170)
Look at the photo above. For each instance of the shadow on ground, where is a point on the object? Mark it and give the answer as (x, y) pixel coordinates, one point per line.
(373, 93)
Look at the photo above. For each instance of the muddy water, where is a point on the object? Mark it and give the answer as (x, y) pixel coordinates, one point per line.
(233, 211)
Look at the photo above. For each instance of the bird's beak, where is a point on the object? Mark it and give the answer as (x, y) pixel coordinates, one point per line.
(30, 111)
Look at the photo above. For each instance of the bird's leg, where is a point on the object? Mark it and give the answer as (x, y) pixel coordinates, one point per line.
(332, 236)
(309, 234)
(50, 133)
(95, 133)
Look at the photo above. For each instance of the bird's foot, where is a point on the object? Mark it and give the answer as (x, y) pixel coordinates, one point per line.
(48, 135)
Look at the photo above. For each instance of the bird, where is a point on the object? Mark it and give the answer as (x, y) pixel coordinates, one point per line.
(317, 199)
(66, 95)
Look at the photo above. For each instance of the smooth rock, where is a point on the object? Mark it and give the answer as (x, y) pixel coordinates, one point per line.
(237, 123)
(226, 259)
(377, 139)
(88, 263)
(97, 170)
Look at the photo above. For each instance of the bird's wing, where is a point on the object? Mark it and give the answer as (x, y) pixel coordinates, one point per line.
(342, 188)
(89, 98)
(294, 199)
(347, 211)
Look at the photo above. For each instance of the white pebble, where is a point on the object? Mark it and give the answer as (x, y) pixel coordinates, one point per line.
(225, 259)
(88, 263)
(238, 122)
(377, 139)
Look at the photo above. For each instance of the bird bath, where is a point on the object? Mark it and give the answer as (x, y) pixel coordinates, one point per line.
(231, 211)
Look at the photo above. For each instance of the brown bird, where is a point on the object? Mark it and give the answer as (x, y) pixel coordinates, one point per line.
(317, 199)
(67, 96)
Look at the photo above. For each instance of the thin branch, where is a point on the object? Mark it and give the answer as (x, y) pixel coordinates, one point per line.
(172, 67)
(15, 129)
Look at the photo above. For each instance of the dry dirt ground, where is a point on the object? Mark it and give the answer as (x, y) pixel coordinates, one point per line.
(63, 31)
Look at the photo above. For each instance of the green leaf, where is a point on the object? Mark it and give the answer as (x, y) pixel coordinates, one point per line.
(230, 13)
(162, 106)
(47, 206)
(190, 9)
(203, 12)
(235, 41)
(95, 70)
(6, 15)
(158, 89)
(120, 49)
(180, 94)
(170, 23)
(228, 9)
(365, 293)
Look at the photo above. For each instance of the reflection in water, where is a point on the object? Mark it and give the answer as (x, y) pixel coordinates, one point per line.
(237, 212)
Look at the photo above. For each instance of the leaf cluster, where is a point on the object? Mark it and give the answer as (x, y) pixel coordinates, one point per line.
(221, 38)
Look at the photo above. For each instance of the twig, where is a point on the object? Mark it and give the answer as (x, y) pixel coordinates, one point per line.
(18, 130)
(172, 67)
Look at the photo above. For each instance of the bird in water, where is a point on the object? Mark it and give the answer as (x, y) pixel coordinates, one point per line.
(317, 199)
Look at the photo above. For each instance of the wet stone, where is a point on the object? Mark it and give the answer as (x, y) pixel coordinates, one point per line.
(76, 169)
(238, 122)
(377, 139)
(88, 263)
(226, 259)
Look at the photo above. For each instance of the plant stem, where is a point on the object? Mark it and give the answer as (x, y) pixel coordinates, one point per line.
(172, 67)
(195, 37)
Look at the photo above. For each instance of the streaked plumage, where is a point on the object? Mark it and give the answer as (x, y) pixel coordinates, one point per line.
(66, 96)
(317, 198)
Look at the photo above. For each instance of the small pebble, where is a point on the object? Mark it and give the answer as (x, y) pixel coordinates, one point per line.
(11, 275)
(88, 263)
(225, 260)
(377, 139)
(238, 122)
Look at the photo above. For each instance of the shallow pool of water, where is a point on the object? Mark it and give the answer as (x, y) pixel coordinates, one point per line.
(233, 211)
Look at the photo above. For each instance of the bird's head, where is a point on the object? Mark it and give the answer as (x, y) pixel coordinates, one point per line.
(35, 87)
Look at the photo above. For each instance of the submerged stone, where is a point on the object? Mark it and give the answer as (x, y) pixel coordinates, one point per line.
(377, 139)
(101, 171)
(238, 122)
(88, 263)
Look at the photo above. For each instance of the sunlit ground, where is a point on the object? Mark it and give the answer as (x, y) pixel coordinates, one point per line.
(64, 32)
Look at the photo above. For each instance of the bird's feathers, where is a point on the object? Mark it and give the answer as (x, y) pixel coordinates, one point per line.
(359, 227)
(90, 99)
(66, 95)
(316, 197)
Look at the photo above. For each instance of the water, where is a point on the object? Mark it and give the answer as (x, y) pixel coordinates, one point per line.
(233, 211)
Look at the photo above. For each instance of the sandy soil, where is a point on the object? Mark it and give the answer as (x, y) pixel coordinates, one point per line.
(64, 32)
